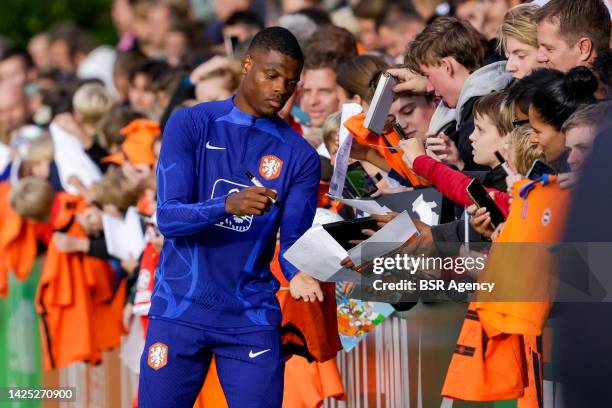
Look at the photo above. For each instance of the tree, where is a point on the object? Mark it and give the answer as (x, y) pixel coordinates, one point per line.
(21, 19)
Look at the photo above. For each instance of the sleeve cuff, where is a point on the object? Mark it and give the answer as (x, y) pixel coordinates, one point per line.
(288, 269)
(421, 163)
(216, 208)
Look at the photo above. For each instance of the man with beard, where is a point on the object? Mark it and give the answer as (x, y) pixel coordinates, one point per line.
(213, 292)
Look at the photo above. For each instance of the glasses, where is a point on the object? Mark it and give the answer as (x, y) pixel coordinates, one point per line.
(517, 123)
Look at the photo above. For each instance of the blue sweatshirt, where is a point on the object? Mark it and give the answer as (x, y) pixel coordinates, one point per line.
(214, 268)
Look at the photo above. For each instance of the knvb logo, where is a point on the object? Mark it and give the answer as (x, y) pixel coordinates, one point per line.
(158, 356)
(270, 167)
(233, 222)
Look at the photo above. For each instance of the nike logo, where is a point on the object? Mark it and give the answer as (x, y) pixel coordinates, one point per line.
(211, 147)
(253, 355)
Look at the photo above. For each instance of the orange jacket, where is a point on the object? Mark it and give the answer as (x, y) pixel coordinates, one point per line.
(17, 241)
(80, 314)
(365, 137)
(497, 354)
(523, 292)
(485, 368)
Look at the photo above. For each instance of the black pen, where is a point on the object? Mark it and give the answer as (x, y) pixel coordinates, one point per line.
(257, 183)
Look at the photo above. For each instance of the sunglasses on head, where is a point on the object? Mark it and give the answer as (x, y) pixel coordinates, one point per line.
(517, 123)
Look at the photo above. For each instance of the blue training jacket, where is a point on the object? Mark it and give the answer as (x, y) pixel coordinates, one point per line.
(214, 268)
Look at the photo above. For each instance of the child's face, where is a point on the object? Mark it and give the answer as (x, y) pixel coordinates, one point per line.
(39, 168)
(212, 89)
(414, 115)
(485, 141)
(142, 97)
(332, 148)
(136, 174)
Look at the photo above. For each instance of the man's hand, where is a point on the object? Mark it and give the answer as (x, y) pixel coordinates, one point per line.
(409, 81)
(412, 148)
(306, 288)
(250, 201)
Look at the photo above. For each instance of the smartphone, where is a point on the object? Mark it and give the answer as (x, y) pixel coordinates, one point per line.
(360, 180)
(231, 42)
(446, 128)
(538, 169)
(504, 164)
(348, 230)
(400, 132)
(480, 197)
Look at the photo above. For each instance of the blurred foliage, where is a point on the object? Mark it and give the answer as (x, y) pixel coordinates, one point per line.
(21, 19)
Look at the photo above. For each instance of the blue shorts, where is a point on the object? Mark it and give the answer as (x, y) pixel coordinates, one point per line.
(176, 359)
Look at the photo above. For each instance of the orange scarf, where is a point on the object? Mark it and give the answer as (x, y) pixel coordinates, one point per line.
(366, 137)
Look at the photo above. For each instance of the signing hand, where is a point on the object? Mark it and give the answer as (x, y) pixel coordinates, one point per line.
(250, 201)
(412, 148)
(306, 288)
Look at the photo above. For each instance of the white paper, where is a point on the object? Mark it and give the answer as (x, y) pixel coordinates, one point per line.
(344, 150)
(71, 159)
(133, 345)
(5, 156)
(390, 237)
(425, 211)
(124, 236)
(367, 206)
(318, 254)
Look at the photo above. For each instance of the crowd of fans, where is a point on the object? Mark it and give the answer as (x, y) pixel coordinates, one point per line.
(81, 124)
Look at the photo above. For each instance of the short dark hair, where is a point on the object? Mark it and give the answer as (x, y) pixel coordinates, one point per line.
(589, 18)
(127, 61)
(602, 66)
(521, 91)
(277, 39)
(151, 68)
(17, 52)
(247, 18)
(557, 99)
(446, 37)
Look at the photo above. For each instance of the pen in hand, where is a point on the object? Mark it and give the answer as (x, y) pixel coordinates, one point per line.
(257, 183)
